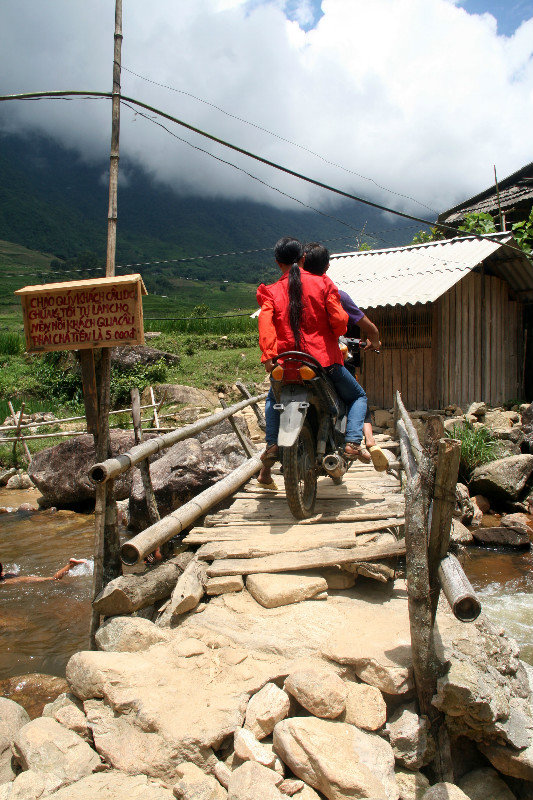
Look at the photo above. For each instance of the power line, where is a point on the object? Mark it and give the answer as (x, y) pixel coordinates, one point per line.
(278, 136)
(236, 148)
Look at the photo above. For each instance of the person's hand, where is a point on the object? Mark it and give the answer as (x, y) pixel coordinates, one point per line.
(269, 365)
(373, 345)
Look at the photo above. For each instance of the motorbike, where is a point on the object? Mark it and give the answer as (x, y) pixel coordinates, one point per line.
(312, 425)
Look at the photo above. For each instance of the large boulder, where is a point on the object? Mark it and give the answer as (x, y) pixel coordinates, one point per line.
(504, 536)
(252, 781)
(266, 708)
(61, 472)
(504, 478)
(12, 718)
(319, 690)
(129, 356)
(484, 783)
(194, 784)
(339, 760)
(188, 395)
(114, 785)
(44, 745)
(410, 740)
(183, 471)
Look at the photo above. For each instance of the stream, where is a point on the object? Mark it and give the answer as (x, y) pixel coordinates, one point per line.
(43, 624)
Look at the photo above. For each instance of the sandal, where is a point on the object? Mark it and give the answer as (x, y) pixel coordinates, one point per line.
(354, 452)
(270, 455)
(379, 458)
(272, 486)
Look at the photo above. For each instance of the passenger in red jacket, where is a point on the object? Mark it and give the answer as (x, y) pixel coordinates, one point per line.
(303, 312)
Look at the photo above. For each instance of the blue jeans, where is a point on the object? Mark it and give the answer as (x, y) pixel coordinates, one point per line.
(350, 393)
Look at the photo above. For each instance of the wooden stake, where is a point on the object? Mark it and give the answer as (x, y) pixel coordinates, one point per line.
(144, 466)
(244, 444)
(18, 432)
(90, 392)
(257, 411)
(154, 404)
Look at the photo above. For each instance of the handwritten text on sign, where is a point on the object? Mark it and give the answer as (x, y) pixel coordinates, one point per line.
(83, 316)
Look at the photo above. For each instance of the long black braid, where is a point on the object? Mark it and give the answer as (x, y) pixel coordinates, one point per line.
(295, 303)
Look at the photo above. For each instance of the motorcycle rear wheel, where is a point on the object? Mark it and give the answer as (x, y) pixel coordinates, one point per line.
(299, 472)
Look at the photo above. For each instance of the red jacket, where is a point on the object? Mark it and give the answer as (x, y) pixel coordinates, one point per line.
(323, 319)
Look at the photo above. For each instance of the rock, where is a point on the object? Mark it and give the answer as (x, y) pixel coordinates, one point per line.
(508, 537)
(409, 738)
(269, 706)
(527, 427)
(61, 472)
(498, 418)
(189, 589)
(177, 393)
(365, 707)
(339, 760)
(454, 423)
(504, 448)
(319, 691)
(21, 481)
(183, 471)
(504, 478)
(114, 785)
(33, 690)
(290, 786)
(337, 578)
(464, 508)
(388, 668)
(412, 785)
(222, 773)
(68, 711)
(44, 745)
(477, 409)
(129, 634)
(131, 356)
(140, 722)
(519, 522)
(306, 794)
(223, 584)
(252, 781)
(30, 785)
(444, 791)
(248, 748)
(378, 572)
(482, 503)
(12, 718)
(272, 589)
(194, 784)
(515, 763)
(6, 474)
(460, 533)
(383, 418)
(485, 783)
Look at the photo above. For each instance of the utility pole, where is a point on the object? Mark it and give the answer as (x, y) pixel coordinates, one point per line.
(107, 563)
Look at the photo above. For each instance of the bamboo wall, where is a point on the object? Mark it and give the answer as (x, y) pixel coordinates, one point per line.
(406, 361)
(463, 348)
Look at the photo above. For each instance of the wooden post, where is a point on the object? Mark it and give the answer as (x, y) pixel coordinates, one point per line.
(257, 411)
(448, 457)
(144, 465)
(245, 445)
(154, 404)
(107, 544)
(18, 432)
(90, 392)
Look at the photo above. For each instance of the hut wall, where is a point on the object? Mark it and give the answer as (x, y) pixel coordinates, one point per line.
(478, 349)
(407, 360)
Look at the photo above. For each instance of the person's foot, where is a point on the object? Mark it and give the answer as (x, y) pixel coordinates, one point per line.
(354, 452)
(77, 561)
(270, 455)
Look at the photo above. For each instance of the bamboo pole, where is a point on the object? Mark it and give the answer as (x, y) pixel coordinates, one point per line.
(73, 419)
(144, 466)
(146, 542)
(112, 467)
(257, 411)
(410, 428)
(18, 435)
(458, 590)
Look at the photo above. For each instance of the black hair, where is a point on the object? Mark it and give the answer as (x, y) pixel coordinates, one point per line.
(316, 258)
(288, 250)
(295, 303)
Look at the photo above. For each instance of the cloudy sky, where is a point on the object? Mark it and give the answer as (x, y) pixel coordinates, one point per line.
(401, 97)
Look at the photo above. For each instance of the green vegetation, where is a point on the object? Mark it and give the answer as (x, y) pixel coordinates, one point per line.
(478, 446)
(485, 224)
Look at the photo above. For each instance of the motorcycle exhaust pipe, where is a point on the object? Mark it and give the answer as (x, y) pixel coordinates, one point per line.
(334, 465)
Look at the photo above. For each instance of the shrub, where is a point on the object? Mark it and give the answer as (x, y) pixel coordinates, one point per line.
(11, 344)
(478, 446)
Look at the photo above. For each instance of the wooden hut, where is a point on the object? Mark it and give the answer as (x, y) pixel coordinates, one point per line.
(450, 315)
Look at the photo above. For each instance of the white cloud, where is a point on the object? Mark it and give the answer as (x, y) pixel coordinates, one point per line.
(417, 94)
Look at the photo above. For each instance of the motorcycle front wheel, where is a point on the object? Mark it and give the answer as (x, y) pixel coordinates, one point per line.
(299, 473)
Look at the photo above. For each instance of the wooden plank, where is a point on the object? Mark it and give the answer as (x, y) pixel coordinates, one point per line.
(477, 387)
(419, 378)
(388, 396)
(310, 559)
(289, 533)
(458, 342)
(262, 546)
(443, 351)
(470, 344)
(404, 370)
(396, 373)
(429, 378)
(494, 344)
(436, 355)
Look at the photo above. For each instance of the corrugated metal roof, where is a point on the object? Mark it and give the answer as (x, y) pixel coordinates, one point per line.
(423, 273)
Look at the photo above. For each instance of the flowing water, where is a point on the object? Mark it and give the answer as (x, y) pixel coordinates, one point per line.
(43, 624)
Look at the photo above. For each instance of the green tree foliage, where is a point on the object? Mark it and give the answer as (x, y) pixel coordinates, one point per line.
(478, 223)
(485, 224)
(423, 237)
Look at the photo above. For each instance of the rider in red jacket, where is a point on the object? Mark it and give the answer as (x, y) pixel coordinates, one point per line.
(303, 312)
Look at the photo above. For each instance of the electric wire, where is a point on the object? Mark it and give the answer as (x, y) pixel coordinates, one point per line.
(278, 136)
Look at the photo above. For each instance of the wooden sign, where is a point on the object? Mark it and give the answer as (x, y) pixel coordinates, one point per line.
(78, 315)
